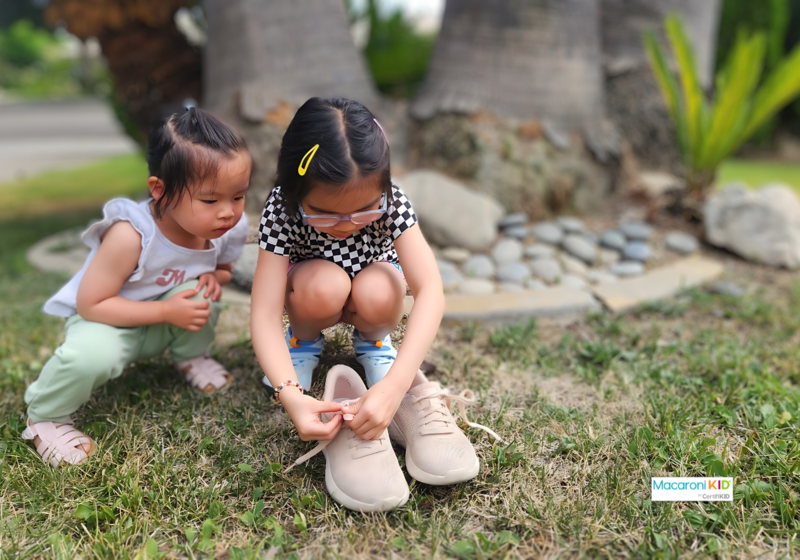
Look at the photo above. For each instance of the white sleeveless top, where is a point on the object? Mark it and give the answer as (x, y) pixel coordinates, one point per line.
(162, 264)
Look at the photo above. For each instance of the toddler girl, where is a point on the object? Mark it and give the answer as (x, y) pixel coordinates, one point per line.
(152, 280)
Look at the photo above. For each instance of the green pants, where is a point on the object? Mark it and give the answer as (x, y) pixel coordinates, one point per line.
(94, 353)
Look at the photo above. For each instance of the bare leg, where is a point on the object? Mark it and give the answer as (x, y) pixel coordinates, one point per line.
(376, 302)
(316, 293)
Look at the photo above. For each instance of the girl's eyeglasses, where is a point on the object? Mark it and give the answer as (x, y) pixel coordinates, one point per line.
(359, 218)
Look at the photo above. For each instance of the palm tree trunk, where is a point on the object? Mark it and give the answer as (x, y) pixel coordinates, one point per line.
(505, 75)
(153, 67)
(266, 52)
(529, 60)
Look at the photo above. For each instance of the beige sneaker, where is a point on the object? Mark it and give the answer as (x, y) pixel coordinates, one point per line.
(362, 475)
(437, 451)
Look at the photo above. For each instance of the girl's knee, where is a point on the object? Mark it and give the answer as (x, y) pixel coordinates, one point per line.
(377, 298)
(321, 296)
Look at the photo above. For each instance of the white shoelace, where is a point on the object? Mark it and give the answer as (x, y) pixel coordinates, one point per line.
(440, 408)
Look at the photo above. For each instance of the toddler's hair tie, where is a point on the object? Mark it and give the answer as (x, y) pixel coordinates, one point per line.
(382, 131)
(309, 156)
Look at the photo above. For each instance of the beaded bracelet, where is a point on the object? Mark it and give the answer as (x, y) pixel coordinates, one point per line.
(287, 383)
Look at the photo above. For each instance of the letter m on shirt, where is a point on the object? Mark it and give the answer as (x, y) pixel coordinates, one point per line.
(171, 276)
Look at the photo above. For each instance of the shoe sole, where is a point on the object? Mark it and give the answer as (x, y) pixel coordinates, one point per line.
(342, 498)
(450, 477)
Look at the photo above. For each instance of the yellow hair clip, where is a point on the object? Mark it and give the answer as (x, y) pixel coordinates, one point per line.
(310, 155)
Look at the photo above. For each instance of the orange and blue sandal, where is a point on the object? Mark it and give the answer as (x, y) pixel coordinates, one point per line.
(375, 356)
(305, 357)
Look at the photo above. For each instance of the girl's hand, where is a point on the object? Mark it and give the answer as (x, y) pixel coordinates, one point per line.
(185, 313)
(374, 410)
(304, 412)
(214, 288)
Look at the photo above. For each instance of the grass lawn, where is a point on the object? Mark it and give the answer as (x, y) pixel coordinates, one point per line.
(703, 385)
(757, 173)
(74, 189)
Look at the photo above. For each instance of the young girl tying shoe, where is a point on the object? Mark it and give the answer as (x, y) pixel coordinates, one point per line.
(337, 239)
(152, 280)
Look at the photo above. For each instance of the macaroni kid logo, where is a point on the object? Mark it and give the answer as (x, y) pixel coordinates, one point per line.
(686, 489)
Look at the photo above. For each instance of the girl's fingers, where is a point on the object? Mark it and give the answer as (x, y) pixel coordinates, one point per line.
(326, 406)
(321, 431)
(372, 434)
(351, 408)
(364, 424)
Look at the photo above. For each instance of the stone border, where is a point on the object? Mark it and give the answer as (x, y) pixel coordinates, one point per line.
(556, 301)
(658, 284)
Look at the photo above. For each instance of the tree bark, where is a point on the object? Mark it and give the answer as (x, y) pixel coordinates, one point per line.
(529, 60)
(267, 52)
(153, 67)
(633, 99)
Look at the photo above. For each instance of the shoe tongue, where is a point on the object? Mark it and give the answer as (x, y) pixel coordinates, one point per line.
(424, 389)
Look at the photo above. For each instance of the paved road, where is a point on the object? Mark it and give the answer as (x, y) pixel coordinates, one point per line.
(40, 136)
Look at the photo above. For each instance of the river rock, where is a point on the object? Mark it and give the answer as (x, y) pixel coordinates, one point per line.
(513, 272)
(534, 284)
(476, 287)
(538, 250)
(515, 219)
(590, 237)
(571, 224)
(681, 242)
(443, 264)
(455, 254)
(507, 250)
(548, 232)
(517, 232)
(547, 269)
(451, 279)
(511, 287)
(245, 266)
(573, 265)
(607, 257)
(479, 266)
(573, 281)
(761, 226)
(601, 277)
(638, 231)
(637, 251)
(613, 239)
(579, 246)
(450, 213)
(627, 268)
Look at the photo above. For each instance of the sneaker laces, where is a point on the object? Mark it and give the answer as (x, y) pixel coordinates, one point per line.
(440, 408)
(355, 441)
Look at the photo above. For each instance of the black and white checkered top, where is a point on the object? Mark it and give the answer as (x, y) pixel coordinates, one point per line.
(286, 235)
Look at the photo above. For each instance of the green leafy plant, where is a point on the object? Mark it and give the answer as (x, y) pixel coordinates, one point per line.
(397, 53)
(709, 131)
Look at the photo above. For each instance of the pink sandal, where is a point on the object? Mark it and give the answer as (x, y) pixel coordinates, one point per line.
(59, 442)
(204, 375)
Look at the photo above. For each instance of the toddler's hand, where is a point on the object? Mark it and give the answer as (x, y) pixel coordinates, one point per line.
(186, 313)
(374, 411)
(304, 412)
(214, 288)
